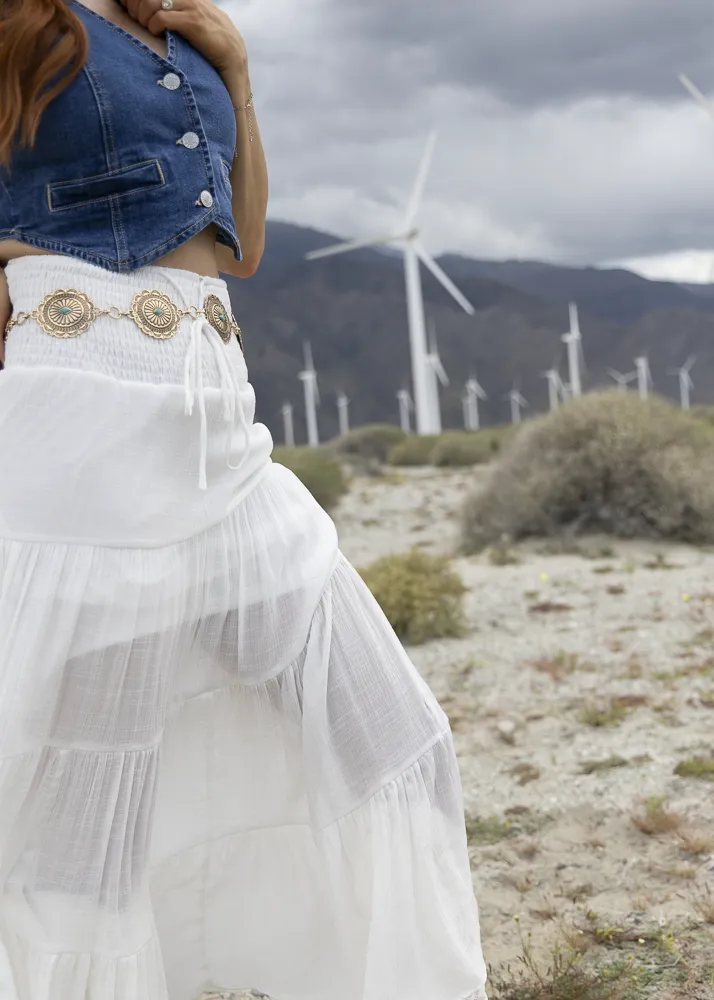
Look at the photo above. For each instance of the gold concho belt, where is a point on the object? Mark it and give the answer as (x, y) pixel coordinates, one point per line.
(68, 313)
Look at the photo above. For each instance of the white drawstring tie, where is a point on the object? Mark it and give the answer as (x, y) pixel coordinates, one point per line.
(194, 389)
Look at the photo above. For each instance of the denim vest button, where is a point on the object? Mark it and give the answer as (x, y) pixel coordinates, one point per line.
(206, 199)
(171, 81)
(189, 139)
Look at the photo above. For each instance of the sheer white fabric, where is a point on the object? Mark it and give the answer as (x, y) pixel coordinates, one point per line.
(218, 767)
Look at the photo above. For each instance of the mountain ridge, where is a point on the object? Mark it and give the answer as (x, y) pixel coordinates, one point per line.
(352, 308)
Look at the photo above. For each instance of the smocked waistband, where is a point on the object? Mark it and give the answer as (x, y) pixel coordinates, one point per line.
(119, 342)
(111, 346)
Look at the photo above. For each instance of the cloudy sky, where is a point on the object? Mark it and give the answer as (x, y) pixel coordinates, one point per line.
(564, 133)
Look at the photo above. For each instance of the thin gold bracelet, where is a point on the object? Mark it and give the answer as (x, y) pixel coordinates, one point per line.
(248, 106)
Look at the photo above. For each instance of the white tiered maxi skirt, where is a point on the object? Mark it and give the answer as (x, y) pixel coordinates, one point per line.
(218, 767)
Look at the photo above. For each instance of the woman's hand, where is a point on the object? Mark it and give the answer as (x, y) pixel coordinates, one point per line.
(200, 22)
(5, 311)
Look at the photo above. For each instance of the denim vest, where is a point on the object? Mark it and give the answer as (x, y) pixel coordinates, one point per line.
(131, 160)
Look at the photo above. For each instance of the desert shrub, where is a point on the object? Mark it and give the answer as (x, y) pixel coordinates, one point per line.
(459, 448)
(415, 449)
(606, 463)
(373, 441)
(317, 470)
(420, 594)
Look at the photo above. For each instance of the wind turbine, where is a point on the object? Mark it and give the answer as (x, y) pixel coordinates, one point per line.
(407, 239)
(474, 392)
(288, 425)
(436, 374)
(622, 380)
(517, 401)
(685, 381)
(405, 408)
(308, 377)
(644, 376)
(342, 414)
(574, 342)
(709, 108)
(556, 389)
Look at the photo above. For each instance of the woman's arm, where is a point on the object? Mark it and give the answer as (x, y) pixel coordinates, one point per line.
(212, 33)
(249, 180)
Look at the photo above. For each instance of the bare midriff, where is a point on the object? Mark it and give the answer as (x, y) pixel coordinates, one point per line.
(197, 254)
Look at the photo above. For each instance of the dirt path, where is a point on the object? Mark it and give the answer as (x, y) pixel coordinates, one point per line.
(588, 677)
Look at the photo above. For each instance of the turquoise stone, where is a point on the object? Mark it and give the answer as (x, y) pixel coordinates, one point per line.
(64, 310)
(221, 315)
(158, 312)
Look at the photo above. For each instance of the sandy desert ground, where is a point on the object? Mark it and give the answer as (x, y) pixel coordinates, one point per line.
(586, 678)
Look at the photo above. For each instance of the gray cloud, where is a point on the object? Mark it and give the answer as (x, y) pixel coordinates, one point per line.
(564, 133)
(531, 52)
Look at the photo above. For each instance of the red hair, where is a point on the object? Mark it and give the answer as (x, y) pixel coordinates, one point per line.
(43, 46)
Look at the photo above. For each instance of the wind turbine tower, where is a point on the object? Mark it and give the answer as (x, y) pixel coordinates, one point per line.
(308, 377)
(474, 392)
(573, 341)
(288, 425)
(405, 409)
(342, 413)
(644, 376)
(407, 238)
(685, 382)
(556, 388)
(517, 401)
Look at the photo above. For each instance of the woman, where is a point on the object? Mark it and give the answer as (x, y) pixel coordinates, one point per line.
(218, 768)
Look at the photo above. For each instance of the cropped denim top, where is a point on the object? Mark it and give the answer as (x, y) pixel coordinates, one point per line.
(131, 160)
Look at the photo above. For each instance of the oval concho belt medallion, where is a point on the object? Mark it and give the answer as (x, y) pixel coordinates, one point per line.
(155, 314)
(218, 317)
(66, 313)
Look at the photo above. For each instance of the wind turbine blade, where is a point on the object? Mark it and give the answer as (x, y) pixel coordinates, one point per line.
(316, 391)
(697, 94)
(336, 248)
(443, 279)
(439, 371)
(420, 183)
(431, 335)
(307, 353)
(689, 363)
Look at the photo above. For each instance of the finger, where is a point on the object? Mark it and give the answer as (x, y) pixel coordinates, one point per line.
(146, 9)
(170, 20)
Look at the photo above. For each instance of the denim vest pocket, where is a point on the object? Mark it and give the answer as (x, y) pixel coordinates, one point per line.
(63, 195)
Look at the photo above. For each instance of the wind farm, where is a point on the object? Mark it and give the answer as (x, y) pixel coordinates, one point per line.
(431, 387)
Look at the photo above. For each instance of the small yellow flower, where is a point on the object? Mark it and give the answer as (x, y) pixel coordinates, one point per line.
(640, 940)
(544, 577)
(686, 598)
